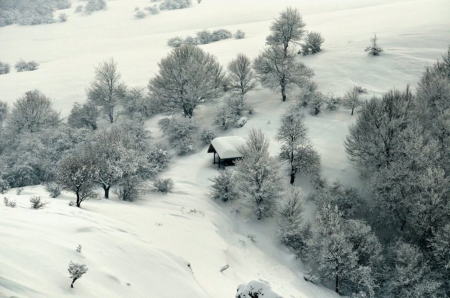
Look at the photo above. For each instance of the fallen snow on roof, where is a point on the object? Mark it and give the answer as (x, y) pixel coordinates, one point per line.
(227, 147)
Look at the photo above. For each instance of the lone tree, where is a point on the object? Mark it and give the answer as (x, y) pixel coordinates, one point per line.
(76, 271)
(258, 176)
(288, 28)
(106, 90)
(241, 76)
(186, 78)
(277, 69)
(374, 49)
(31, 113)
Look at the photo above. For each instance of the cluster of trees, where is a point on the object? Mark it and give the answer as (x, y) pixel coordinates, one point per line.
(30, 12)
(35, 139)
(175, 4)
(204, 37)
(394, 241)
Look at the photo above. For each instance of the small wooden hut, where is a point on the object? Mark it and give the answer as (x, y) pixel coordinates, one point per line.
(226, 148)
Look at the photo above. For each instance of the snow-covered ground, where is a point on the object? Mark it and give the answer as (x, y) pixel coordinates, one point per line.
(174, 245)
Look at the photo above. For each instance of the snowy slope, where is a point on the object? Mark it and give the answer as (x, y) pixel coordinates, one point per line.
(143, 249)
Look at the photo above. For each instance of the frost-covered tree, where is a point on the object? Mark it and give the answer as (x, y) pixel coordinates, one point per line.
(375, 138)
(352, 99)
(291, 133)
(346, 198)
(224, 186)
(345, 252)
(288, 28)
(374, 49)
(106, 91)
(83, 116)
(293, 231)
(278, 70)
(76, 174)
(76, 271)
(186, 78)
(31, 113)
(409, 274)
(121, 155)
(135, 104)
(241, 77)
(258, 175)
(4, 109)
(181, 132)
(302, 159)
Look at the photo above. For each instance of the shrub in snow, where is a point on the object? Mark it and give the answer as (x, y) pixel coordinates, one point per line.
(79, 248)
(159, 157)
(4, 186)
(189, 40)
(79, 8)
(37, 202)
(312, 43)
(76, 271)
(9, 203)
(175, 42)
(231, 112)
(316, 103)
(374, 49)
(53, 188)
(140, 14)
(163, 185)
(152, 9)
(129, 188)
(182, 133)
(175, 4)
(224, 186)
(256, 289)
(95, 5)
(4, 68)
(240, 122)
(26, 66)
(19, 190)
(72, 203)
(62, 17)
(203, 37)
(3, 111)
(207, 135)
(332, 102)
(239, 34)
(220, 34)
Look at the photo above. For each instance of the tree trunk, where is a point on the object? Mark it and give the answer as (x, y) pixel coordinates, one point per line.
(106, 188)
(292, 177)
(78, 201)
(283, 90)
(353, 110)
(73, 282)
(337, 282)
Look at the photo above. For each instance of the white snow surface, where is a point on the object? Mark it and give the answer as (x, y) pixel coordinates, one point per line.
(174, 245)
(228, 147)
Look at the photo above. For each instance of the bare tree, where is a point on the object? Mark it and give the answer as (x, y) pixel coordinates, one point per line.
(277, 70)
(186, 78)
(31, 113)
(288, 28)
(351, 99)
(106, 90)
(241, 76)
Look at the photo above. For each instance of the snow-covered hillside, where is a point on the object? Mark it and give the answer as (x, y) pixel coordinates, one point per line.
(174, 245)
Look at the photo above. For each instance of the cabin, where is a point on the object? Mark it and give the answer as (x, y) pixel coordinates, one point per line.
(226, 149)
